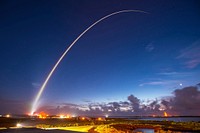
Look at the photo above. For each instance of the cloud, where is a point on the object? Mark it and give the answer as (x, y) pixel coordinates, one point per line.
(153, 83)
(86, 100)
(176, 74)
(186, 101)
(135, 102)
(149, 47)
(191, 55)
(166, 104)
(154, 105)
(193, 63)
(160, 82)
(69, 104)
(36, 85)
(115, 105)
(198, 84)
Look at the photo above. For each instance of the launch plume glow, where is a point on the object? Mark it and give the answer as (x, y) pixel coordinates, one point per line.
(35, 102)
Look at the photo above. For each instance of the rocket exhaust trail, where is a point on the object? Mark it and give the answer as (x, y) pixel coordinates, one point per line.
(34, 106)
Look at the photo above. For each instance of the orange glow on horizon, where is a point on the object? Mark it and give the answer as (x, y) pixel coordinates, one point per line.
(68, 116)
(42, 115)
(165, 114)
(64, 116)
(99, 118)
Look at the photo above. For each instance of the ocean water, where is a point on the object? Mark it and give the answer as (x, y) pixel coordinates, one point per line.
(176, 119)
(142, 130)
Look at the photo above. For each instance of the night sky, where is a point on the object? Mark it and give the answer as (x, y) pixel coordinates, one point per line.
(127, 63)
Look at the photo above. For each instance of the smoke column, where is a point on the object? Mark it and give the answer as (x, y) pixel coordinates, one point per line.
(35, 103)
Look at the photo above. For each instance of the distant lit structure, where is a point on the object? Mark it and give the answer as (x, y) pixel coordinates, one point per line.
(73, 115)
(101, 119)
(42, 115)
(19, 125)
(165, 114)
(82, 118)
(64, 116)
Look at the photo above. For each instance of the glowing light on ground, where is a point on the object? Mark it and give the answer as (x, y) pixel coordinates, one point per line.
(62, 116)
(73, 115)
(35, 102)
(67, 116)
(42, 115)
(165, 114)
(101, 119)
(8, 116)
(19, 125)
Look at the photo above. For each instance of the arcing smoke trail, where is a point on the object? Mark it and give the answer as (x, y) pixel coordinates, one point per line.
(34, 106)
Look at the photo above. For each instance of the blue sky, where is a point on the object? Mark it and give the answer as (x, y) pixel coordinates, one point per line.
(146, 55)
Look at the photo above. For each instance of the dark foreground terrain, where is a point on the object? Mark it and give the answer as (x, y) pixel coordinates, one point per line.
(35, 130)
(109, 125)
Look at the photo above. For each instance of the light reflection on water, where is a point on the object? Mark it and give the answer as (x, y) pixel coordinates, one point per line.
(142, 130)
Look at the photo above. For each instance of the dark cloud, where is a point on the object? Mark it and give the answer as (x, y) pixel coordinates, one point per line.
(166, 104)
(115, 105)
(186, 101)
(198, 84)
(135, 102)
(154, 105)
